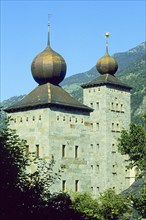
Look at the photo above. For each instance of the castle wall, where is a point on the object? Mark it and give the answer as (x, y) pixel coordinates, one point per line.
(83, 145)
(111, 114)
(64, 136)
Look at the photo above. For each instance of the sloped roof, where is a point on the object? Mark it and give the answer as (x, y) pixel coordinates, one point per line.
(106, 79)
(47, 95)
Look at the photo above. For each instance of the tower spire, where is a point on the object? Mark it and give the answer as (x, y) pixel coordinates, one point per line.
(48, 43)
(107, 34)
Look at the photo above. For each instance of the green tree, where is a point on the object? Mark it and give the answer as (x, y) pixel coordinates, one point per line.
(113, 206)
(85, 206)
(25, 195)
(133, 143)
(139, 201)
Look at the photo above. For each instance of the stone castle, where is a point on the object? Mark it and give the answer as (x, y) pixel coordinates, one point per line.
(81, 137)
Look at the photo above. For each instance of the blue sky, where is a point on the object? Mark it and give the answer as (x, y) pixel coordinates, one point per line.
(77, 33)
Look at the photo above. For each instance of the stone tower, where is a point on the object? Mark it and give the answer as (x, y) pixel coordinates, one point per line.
(80, 137)
(110, 99)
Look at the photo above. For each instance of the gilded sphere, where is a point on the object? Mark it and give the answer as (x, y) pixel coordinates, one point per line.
(107, 65)
(48, 66)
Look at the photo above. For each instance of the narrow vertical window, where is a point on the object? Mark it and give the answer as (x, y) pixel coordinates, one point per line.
(112, 126)
(76, 185)
(39, 117)
(26, 118)
(63, 118)
(112, 106)
(97, 188)
(33, 118)
(117, 126)
(37, 150)
(57, 117)
(76, 151)
(63, 150)
(121, 107)
(27, 150)
(117, 107)
(64, 185)
(97, 168)
(91, 104)
(97, 105)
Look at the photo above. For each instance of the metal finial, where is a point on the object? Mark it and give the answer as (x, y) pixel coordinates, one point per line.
(107, 34)
(48, 44)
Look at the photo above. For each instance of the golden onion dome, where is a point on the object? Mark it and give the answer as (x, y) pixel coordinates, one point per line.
(48, 66)
(107, 64)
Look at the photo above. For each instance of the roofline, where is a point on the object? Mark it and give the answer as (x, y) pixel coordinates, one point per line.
(40, 106)
(88, 85)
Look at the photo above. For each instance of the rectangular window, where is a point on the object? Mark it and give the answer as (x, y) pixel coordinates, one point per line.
(112, 107)
(37, 150)
(63, 151)
(97, 189)
(113, 127)
(27, 150)
(76, 185)
(122, 108)
(64, 185)
(97, 126)
(76, 151)
(97, 105)
(97, 168)
(117, 107)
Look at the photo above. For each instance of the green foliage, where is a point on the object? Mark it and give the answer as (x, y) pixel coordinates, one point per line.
(139, 201)
(133, 143)
(23, 193)
(113, 206)
(86, 207)
(12, 168)
(109, 206)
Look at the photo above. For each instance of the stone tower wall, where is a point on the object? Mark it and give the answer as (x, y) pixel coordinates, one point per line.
(111, 114)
